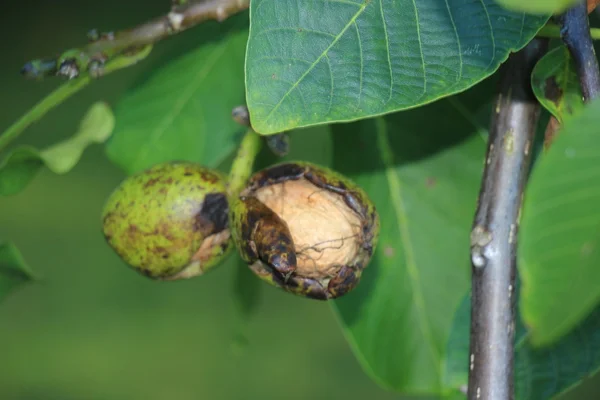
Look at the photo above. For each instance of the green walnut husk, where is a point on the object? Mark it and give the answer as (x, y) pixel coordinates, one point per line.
(169, 222)
(305, 229)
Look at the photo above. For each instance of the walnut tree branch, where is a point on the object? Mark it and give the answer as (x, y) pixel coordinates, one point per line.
(102, 48)
(494, 234)
(575, 33)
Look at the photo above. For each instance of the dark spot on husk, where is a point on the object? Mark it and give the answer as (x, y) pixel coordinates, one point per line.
(145, 272)
(107, 217)
(224, 245)
(209, 177)
(160, 250)
(151, 182)
(164, 230)
(213, 217)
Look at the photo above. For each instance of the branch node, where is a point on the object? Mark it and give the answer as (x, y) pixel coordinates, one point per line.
(480, 238)
(68, 69)
(241, 115)
(175, 19)
(221, 14)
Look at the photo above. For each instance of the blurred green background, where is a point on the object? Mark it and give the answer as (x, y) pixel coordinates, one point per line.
(93, 329)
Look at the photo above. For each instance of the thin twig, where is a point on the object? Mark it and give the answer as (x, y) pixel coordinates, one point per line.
(494, 234)
(104, 47)
(63, 92)
(575, 33)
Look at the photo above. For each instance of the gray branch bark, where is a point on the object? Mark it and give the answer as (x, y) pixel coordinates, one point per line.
(575, 33)
(494, 234)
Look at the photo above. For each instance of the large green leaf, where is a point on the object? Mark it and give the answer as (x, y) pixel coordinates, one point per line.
(556, 85)
(183, 110)
(537, 6)
(559, 241)
(422, 169)
(317, 61)
(13, 270)
(23, 163)
(539, 373)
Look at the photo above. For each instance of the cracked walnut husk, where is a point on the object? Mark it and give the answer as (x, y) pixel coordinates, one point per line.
(305, 229)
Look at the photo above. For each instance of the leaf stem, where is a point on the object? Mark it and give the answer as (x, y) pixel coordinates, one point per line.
(494, 234)
(552, 31)
(575, 33)
(104, 47)
(62, 93)
(241, 169)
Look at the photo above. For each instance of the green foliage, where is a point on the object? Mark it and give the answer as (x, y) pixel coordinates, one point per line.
(18, 169)
(14, 272)
(246, 289)
(423, 177)
(364, 58)
(556, 85)
(247, 293)
(559, 242)
(183, 110)
(537, 6)
(539, 373)
(23, 163)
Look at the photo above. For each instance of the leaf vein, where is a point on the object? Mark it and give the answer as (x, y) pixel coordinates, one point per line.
(420, 50)
(360, 49)
(487, 14)
(387, 48)
(461, 66)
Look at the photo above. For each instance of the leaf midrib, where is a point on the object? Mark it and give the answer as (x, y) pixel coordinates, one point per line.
(314, 64)
(402, 220)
